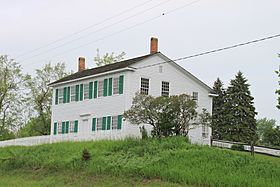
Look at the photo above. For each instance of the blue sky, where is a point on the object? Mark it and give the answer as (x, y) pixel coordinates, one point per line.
(189, 29)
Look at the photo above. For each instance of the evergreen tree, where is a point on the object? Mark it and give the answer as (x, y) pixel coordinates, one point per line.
(240, 111)
(218, 113)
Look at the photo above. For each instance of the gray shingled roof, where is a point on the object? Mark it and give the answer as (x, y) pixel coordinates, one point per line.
(102, 69)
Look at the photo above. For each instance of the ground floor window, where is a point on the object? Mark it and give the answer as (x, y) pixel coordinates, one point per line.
(65, 127)
(205, 131)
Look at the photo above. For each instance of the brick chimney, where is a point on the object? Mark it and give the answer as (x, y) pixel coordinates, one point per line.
(154, 45)
(82, 64)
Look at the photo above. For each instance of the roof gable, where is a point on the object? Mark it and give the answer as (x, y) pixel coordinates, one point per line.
(185, 72)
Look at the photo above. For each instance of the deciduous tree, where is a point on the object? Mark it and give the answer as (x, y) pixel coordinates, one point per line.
(108, 58)
(40, 95)
(11, 97)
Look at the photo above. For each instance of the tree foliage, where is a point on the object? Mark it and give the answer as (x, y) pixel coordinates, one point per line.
(11, 98)
(278, 90)
(219, 129)
(174, 115)
(40, 95)
(240, 111)
(268, 132)
(108, 58)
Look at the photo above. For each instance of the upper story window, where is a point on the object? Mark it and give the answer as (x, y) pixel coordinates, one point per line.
(73, 93)
(60, 95)
(144, 89)
(86, 91)
(116, 85)
(100, 88)
(195, 96)
(165, 88)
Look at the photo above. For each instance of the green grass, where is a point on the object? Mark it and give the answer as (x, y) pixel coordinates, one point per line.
(163, 162)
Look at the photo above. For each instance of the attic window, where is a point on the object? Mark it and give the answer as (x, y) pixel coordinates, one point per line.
(160, 69)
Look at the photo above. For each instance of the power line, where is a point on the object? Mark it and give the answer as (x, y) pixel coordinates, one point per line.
(122, 30)
(84, 29)
(98, 30)
(212, 51)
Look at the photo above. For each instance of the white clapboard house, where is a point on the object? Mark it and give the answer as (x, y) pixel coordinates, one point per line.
(91, 102)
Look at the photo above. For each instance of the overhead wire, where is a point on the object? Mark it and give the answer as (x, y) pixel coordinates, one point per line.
(84, 29)
(212, 51)
(120, 31)
(95, 31)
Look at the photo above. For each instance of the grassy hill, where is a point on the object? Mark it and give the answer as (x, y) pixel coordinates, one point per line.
(154, 162)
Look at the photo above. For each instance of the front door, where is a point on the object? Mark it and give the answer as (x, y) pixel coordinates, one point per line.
(85, 127)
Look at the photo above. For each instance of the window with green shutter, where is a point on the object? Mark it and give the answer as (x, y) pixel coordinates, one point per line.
(95, 89)
(90, 90)
(76, 126)
(77, 93)
(63, 127)
(119, 121)
(105, 91)
(67, 127)
(81, 92)
(108, 122)
(56, 96)
(93, 128)
(64, 94)
(121, 80)
(55, 128)
(68, 94)
(110, 90)
(104, 123)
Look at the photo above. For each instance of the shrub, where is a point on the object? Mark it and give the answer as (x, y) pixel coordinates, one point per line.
(237, 147)
(86, 155)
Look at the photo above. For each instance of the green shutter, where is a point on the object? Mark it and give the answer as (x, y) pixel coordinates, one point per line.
(56, 96)
(105, 91)
(64, 94)
(110, 86)
(119, 121)
(67, 127)
(63, 127)
(77, 93)
(108, 122)
(76, 126)
(104, 123)
(95, 89)
(81, 92)
(93, 128)
(55, 128)
(68, 95)
(121, 84)
(90, 90)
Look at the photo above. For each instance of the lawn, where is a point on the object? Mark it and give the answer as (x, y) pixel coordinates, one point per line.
(132, 162)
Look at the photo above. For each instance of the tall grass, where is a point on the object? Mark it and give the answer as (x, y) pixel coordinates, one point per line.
(171, 159)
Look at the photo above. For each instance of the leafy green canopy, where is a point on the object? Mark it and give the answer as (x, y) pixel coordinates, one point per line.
(108, 58)
(168, 115)
(11, 99)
